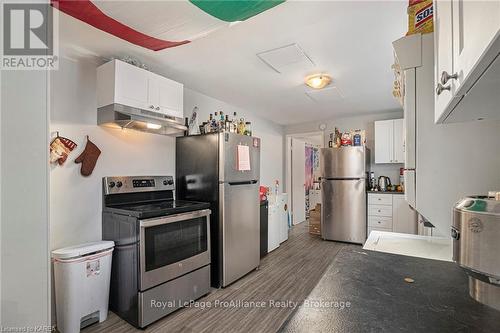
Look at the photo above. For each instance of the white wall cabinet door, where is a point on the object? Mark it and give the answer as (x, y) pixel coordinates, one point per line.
(166, 95)
(389, 141)
(398, 132)
(443, 55)
(130, 85)
(403, 217)
(384, 141)
(475, 24)
(122, 83)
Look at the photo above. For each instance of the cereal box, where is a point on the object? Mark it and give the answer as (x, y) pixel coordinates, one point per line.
(420, 17)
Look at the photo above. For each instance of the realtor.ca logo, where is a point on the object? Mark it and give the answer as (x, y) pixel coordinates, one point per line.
(29, 36)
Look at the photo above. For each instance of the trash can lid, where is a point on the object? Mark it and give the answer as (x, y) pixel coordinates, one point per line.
(82, 249)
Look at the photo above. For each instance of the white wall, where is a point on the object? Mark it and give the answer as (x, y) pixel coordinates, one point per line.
(271, 134)
(365, 122)
(76, 200)
(24, 200)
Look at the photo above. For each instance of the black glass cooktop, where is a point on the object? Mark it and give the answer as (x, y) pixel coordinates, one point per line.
(157, 208)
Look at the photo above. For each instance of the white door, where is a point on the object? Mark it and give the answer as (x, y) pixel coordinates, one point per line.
(443, 55)
(384, 141)
(475, 24)
(131, 85)
(399, 153)
(171, 97)
(298, 181)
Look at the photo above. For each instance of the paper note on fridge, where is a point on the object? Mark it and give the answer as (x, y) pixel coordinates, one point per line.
(243, 158)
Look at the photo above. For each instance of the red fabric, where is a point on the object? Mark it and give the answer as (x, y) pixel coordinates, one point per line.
(86, 11)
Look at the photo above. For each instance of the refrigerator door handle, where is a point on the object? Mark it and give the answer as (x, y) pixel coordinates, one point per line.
(249, 182)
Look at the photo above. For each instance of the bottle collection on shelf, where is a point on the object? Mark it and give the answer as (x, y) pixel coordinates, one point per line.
(351, 138)
(219, 122)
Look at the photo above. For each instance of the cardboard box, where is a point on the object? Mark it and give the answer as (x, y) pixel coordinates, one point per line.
(420, 17)
(315, 220)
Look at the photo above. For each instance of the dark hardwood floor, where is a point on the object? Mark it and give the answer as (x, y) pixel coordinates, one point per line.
(289, 273)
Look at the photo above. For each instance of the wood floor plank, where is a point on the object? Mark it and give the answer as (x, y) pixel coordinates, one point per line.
(289, 273)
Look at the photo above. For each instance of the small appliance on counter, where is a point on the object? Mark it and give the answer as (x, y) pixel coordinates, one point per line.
(384, 183)
(475, 232)
(162, 247)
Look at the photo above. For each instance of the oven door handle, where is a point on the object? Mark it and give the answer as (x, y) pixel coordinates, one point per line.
(174, 218)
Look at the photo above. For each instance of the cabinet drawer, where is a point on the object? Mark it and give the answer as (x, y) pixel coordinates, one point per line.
(379, 199)
(380, 222)
(380, 210)
(370, 229)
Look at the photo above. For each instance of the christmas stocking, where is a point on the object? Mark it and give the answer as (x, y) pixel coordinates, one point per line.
(88, 158)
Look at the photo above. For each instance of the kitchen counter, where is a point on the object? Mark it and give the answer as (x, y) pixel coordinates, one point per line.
(381, 301)
(385, 192)
(437, 248)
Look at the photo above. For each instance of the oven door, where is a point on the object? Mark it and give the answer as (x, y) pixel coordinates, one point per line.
(173, 246)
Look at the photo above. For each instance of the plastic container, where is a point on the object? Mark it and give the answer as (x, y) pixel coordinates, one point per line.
(81, 278)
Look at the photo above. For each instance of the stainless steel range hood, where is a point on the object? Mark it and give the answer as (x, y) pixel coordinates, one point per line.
(122, 116)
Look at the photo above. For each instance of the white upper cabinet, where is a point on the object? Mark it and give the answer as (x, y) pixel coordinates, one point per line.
(389, 147)
(467, 42)
(122, 83)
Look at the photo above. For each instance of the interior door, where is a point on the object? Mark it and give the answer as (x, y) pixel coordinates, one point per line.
(240, 230)
(298, 181)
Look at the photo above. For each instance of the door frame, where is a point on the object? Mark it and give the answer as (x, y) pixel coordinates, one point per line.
(288, 160)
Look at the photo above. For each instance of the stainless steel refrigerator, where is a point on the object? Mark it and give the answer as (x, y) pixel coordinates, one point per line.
(343, 188)
(224, 169)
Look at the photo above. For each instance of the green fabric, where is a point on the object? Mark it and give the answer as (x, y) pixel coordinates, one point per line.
(234, 10)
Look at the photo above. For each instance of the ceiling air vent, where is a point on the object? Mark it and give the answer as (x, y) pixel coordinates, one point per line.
(286, 57)
(330, 94)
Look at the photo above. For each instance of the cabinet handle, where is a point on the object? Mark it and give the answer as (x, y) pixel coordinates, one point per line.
(151, 106)
(157, 108)
(440, 88)
(445, 77)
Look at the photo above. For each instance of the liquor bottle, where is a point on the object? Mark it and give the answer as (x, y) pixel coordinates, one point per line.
(227, 124)
(248, 128)
(241, 126)
(215, 122)
(208, 125)
(234, 124)
(222, 123)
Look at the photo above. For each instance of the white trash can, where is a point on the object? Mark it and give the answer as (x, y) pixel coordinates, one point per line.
(81, 278)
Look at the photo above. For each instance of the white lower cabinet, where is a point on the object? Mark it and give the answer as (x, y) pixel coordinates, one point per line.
(390, 212)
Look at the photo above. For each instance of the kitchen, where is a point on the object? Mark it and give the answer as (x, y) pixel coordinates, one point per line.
(453, 158)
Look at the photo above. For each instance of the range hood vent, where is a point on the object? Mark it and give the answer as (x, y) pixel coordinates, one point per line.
(122, 116)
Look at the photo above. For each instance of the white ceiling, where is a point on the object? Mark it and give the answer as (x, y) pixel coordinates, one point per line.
(350, 40)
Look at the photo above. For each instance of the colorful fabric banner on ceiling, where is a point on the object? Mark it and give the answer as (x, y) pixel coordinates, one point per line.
(157, 25)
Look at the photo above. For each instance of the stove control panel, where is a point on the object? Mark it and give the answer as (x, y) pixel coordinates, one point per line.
(115, 185)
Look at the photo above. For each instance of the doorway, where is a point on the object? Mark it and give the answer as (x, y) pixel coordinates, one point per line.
(302, 173)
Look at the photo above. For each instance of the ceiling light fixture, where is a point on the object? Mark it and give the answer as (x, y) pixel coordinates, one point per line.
(318, 81)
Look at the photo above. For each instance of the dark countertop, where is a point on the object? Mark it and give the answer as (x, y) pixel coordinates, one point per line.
(381, 301)
(385, 192)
